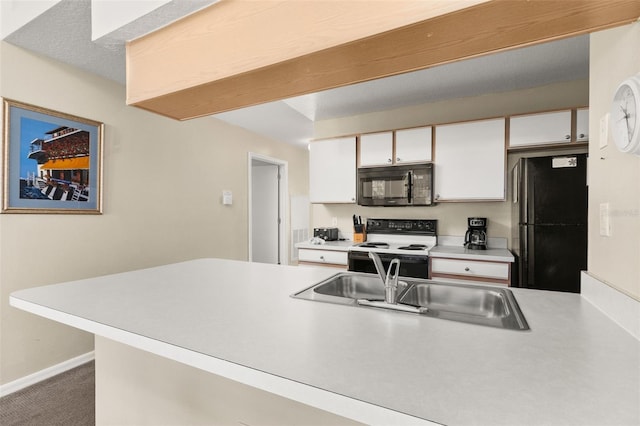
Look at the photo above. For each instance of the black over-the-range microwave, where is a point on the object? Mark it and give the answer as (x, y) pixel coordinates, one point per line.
(406, 185)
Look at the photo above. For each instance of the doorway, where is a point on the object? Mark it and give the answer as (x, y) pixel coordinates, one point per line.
(268, 192)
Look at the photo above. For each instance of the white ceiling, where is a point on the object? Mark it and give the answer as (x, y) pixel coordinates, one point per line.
(292, 120)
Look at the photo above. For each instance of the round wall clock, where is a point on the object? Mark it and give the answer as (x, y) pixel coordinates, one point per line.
(625, 115)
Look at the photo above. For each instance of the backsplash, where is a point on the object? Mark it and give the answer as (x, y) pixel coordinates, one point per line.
(452, 217)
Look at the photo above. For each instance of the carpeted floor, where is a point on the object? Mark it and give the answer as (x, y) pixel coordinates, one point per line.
(67, 399)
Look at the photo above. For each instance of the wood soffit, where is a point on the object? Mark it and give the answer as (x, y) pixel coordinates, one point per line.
(486, 28)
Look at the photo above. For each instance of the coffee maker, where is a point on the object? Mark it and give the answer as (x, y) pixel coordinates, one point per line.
(476, 236)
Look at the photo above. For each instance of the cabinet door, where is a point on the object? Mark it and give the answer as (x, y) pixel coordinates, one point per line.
(582, 125)
(470, 161)
(332, 171)
(376, 149)
(413, 145)
(540, 129)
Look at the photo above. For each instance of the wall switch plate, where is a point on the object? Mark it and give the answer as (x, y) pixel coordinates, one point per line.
(604, 131)
(605, 224)
(227, 197)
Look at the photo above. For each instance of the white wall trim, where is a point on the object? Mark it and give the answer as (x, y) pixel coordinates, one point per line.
(622, 309)
(38, 376)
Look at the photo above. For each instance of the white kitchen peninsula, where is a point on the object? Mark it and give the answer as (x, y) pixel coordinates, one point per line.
(237, 320)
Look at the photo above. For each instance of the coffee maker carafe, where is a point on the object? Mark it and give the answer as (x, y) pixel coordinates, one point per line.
(476, 236)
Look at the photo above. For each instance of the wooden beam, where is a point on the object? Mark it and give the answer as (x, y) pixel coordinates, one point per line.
(486, 28)
(232, 37)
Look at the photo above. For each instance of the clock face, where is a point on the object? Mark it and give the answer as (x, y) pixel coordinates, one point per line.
(624, 116)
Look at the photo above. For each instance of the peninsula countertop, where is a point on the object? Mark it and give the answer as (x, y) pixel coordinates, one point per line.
(574, 367)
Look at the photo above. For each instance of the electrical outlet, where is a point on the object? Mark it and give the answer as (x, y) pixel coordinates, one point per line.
(334, 222)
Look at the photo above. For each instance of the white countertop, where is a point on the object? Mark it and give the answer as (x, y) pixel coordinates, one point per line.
(574, 367)
(461, 252)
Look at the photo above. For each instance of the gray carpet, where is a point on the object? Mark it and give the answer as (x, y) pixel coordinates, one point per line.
(67, 399)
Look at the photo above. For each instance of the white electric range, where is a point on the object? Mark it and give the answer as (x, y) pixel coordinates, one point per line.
(408, 240)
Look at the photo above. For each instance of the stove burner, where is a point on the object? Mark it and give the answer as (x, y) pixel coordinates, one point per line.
(413, 247)
(373, 244)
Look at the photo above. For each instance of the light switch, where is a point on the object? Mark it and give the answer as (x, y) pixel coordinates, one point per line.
(227, 197)
(605, 225)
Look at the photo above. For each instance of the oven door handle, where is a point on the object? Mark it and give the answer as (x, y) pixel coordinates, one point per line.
(410, 187)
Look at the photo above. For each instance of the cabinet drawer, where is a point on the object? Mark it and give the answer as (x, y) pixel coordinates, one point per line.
(470, 268)
(323, 256)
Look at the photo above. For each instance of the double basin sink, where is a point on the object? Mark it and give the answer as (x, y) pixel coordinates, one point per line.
(475, 304)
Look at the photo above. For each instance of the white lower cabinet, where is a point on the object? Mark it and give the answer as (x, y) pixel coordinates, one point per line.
(323, 257)
(474, 270)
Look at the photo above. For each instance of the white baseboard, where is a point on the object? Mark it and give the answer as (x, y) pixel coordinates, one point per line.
(622, 309)
(38, 376)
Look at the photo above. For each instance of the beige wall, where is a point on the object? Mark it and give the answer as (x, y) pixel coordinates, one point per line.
(614, 176)
(163, 182)
(452, 217)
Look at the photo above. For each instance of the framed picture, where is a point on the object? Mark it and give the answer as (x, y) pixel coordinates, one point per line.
(52, 162)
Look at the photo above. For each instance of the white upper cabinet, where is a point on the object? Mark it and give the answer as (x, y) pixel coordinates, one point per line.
(540, 129)
(413, 145)
(582, 125)
(332, 171)
(376, 149)
(470, 161)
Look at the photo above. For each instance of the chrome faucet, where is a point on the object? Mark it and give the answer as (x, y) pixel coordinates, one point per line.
(389, 279)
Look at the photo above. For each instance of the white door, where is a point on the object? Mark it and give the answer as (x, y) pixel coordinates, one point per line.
(265, 215)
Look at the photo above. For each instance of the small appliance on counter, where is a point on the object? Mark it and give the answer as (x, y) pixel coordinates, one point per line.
(327, 234)
(476, 235)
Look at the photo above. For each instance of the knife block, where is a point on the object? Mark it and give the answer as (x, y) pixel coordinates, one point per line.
(359, 234)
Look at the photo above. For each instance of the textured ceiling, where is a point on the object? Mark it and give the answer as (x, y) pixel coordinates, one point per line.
(64, 33)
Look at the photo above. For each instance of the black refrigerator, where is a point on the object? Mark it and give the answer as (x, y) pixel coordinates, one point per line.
(550, 201)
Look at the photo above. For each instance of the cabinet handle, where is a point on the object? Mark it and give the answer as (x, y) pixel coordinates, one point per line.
(389, 160)
(581, 135)
(398, 159)
(467, 269)
(322, 258)
(567, 137)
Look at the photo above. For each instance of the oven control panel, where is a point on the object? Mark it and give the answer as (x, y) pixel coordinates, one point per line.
(402, 226)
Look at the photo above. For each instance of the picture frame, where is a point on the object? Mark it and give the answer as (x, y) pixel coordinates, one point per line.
(52, 161)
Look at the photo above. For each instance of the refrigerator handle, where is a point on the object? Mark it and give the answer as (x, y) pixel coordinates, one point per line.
(531, 260)
(524, 257)
(524, 191)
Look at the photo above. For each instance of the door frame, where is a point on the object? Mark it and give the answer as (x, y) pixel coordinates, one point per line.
(283, 194)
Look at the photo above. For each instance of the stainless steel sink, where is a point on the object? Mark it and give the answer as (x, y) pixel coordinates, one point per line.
(492, 306)
(475, 304)
(352, 286)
